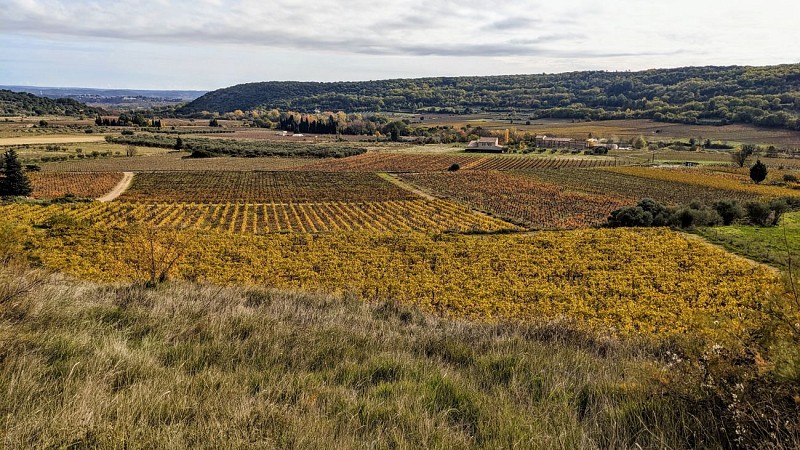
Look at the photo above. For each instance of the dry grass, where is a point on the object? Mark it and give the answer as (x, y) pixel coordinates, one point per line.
(101, 366)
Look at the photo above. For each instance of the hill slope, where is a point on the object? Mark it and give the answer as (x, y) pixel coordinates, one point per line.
(22, 103)
(767, 96)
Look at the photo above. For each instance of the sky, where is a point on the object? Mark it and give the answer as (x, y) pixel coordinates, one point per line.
(209, 44)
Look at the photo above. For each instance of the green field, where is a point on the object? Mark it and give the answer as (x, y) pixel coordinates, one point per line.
(771, 245)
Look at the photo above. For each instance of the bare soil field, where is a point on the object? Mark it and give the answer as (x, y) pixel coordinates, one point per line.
(54, 139)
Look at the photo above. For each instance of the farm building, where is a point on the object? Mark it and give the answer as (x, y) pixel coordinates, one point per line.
(554, 142)
(485, 144)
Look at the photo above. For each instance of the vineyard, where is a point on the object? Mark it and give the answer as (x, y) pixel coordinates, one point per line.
(175, 161)
(243, 218)
(521, 199)
(734, 183)
(89, 185)
(633, 281)
(409, 162)
(606, 182)
(393, 162)
(531, 163)
(262, 187)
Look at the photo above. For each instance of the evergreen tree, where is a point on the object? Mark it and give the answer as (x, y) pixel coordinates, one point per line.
(758, 172)
(14, 181)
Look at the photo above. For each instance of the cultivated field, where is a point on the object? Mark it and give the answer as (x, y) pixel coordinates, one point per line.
(432, 216)
(521, 199)
(632, 186)
(86, 185)
(175, 161)
(731, 182)
(262, 187)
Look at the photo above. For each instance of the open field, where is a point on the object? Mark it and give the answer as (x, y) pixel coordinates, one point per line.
(86, 185)
(175, 161)
(771, 245)
(606, 182)
(261, 187)
(440, 162)
(733, 182)
(52, 139)
(433, 216)
(650, 281)
(629, 129)
(521, 199)
(206, 367)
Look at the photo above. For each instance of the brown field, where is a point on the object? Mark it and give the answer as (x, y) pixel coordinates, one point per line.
(52, 139)
(262, 187)
(88, 185)
(626, 129)
(175, 161)
(521, 199)
(393, 162)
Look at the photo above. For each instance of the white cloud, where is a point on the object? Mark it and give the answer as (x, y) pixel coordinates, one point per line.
(433, 38)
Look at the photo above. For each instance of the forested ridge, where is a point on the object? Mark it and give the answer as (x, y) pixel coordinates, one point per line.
(22, 103)
(766, 96)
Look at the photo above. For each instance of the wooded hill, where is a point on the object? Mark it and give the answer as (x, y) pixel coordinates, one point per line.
(766, 96)
(23, 103)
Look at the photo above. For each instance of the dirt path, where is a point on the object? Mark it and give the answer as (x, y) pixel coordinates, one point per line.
(407, 186)
(122, 186)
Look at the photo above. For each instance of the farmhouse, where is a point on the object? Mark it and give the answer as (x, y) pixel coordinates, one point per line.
(544, 141)
(485, 144)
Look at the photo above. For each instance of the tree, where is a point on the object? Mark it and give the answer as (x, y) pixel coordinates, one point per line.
(740, 156)
(639, 142)
(130, 150)
(758, 172)
(14, 181)
(179, 144)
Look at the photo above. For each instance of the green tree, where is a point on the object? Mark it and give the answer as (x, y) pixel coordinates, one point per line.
(14, 181)
(179, 144)
(758, 172)
(639, 142)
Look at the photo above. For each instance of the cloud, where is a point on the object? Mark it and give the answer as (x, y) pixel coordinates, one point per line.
(414, 28)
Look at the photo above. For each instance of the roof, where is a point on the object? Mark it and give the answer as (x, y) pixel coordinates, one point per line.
(488, 139)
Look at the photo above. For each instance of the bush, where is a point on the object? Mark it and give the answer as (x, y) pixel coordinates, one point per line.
(729, 210)
(454, 167)
(758, 213)
(789, 178)
(695, 215)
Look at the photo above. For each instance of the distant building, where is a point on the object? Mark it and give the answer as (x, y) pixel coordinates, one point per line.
(544, 141)
(486, 144)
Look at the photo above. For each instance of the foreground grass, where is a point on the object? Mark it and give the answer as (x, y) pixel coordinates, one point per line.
(108, 366)
(770, 245)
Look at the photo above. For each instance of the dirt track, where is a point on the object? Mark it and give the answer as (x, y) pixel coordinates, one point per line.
(122, 186)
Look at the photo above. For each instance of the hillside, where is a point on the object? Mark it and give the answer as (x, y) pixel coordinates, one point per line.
(766, 96)
(192, 366)
(21, 103)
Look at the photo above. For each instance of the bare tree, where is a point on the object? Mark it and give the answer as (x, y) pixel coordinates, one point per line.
(131, 150)
(154, 252)
(739, 157)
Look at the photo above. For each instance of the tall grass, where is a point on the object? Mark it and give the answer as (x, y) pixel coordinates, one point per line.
(182, 365)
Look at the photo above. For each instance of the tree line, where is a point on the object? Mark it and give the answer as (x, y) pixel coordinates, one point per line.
(766, 96)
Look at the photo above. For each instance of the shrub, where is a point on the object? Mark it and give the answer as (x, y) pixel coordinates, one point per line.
(789, 178)
(454, 167)
(758, 213)
(729, 210)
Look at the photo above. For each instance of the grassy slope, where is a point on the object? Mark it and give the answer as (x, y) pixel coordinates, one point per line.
(765, 244)
(85, 365)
